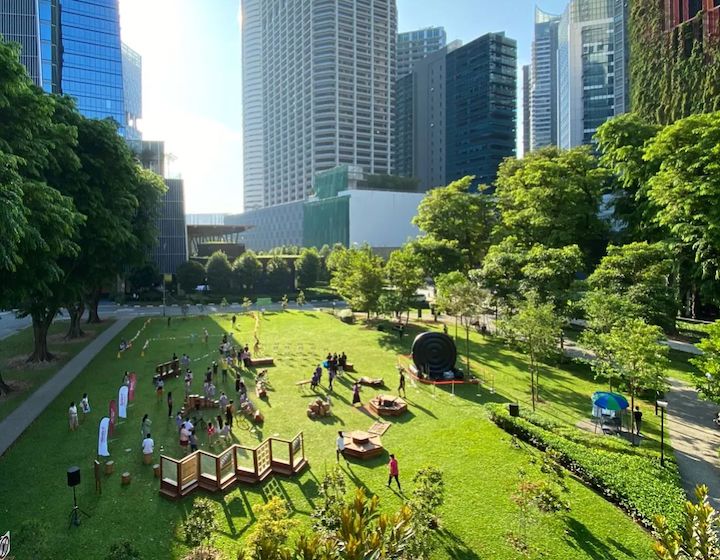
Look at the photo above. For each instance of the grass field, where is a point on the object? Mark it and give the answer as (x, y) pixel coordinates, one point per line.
(480, 463)
(24, 378)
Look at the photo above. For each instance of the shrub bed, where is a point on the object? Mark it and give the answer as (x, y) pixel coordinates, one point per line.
(630, 478)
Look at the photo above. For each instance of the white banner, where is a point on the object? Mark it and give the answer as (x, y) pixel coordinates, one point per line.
(103, 437)
(122, 401)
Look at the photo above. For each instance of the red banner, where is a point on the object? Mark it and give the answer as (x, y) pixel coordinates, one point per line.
(113, 415)
(133, 380)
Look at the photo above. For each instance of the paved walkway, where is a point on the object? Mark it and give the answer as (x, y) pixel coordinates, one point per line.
(695, 439)
(19, 419)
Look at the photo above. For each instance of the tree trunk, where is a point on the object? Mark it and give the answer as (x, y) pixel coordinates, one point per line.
(632, 415)
(40, 325)
(75, 311)
(92, 303)
(467, 348)
(532, 381)
(4, 387)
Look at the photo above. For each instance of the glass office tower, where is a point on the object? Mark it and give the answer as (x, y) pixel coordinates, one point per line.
(19, 24)
(91, 65)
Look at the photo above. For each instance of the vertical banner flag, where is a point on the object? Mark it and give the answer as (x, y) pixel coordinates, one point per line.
(122, 401)
(103, 437)
(133, 381)
(113, 416)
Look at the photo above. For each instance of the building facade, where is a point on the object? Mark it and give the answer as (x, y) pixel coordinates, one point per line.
(132, 88)
(543, 81)
(20, 23)
(680, 11)
(252, 105)
(71, 47)
(326, 91)
(171, 249)
(481, 106)
(526, 109)
(587, 69)
(413, 46)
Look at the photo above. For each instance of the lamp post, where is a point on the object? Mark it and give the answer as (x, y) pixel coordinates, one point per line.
(662, 405)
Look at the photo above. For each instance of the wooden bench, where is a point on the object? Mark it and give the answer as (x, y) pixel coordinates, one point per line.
(260, 362)
(167, 370)
(369, 382)
(302, 385)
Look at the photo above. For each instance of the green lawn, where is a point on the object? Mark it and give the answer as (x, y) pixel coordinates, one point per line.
(25, 378)
(481, 466)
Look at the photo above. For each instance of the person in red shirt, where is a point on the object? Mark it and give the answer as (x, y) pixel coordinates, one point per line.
(394, 472)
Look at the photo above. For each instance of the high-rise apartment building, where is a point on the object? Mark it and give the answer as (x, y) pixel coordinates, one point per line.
(481, 106)
(71, 47)
(324, 91)
(526, 109)
(132, 89)
(543, 81)
(587, 68)
(413, 46)
(680, 11)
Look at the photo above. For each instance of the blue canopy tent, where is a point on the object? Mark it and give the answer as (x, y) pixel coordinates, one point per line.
(607, 408)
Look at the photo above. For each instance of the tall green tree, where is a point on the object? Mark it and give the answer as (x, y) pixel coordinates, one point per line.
(219, 273)
(622, 142)
(13, 221)
(307, 269)
(707, 378)
(278, 274)
(686, 188)
(632, 354)
(463, 298)
(537, 329)
(642, 273)
(248, 271)
(190, 275)
(405, 275)
(37, 151)
(552, 197)
(460, 217)
(357, 275)
(501, 273)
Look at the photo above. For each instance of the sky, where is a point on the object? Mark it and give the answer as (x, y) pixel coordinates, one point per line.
(192, 77)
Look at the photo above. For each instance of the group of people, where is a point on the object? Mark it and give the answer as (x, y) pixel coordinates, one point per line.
(73, 418)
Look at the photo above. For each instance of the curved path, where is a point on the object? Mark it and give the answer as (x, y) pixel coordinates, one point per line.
(19, 419)
(695, 439)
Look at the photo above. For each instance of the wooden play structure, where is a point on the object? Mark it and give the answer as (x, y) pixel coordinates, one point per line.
(166, 370)
(372, 382)
(262, 362)
(197, 403)
(318, 408)
(387, 405)
(238, 463)
(362, 445)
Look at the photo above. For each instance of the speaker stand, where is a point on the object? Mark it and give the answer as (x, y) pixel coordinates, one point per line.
(75, 513)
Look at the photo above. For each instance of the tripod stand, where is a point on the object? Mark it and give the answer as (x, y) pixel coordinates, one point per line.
(75, 513)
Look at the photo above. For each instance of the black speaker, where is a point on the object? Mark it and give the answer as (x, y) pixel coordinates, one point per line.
(73, 476)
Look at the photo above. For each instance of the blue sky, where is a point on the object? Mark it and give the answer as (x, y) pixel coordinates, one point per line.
(192, 77)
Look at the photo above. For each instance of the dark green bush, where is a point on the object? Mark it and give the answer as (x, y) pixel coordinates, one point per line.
(633, 480)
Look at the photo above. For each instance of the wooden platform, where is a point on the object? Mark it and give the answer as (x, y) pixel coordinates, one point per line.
(362, 445)
(261, 362)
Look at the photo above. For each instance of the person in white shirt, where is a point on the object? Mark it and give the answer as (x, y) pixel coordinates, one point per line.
(85, 404)
(148, 446)
(73, 416)
(340, 447)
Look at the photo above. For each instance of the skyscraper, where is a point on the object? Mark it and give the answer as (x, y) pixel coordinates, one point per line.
(587, 68)
(71, 47)
(324, 91)
(481, 93)
(19, 23)
(526, 109)
(413, 46)
(543, 81)
(132, 89)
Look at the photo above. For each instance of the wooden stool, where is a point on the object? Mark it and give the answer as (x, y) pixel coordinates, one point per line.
(125, 478)
(147, 458)
(109, 467)
(156, 470)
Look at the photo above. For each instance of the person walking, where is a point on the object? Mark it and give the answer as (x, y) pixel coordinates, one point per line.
(356, 394)
(340, 447)
(637, 414)
(148, 447)
(145, 426)
(401, 384)
(206, 335)
(192, 439)
(159, 389)
(170, 404)
(179, 421)
(223, 401)
(394, 472)
(229, 415)
(215, 369)
(234, 318)
(73, 416)
(184, 438)
(85, 405)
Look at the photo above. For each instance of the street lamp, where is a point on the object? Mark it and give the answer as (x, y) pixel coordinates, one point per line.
(662, 405)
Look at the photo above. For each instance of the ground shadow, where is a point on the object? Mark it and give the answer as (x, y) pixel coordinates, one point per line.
(579, 537)
(455, 547)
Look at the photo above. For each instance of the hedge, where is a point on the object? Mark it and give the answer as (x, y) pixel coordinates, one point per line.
(635, 481)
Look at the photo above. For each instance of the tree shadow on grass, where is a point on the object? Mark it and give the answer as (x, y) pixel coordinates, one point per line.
(455, 547)
(579, 537)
